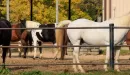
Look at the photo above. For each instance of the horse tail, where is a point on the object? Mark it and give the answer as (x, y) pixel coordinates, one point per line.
(39, 36)
(63, 23)
(61, 36)
(66, 39)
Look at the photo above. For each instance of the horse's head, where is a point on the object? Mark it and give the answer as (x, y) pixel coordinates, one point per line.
(22, 24)
(48, 34)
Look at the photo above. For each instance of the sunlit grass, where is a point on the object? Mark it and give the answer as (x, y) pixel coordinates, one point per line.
(127, 72)
(124, 51)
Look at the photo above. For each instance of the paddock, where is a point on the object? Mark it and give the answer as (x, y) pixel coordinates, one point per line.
(89, 62)
(48, 59)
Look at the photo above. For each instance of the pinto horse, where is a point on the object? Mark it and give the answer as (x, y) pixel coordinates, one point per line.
(97, 36)
(48, 35)
(44, 35)
(60, 37)
(5, 37)
(27, 40)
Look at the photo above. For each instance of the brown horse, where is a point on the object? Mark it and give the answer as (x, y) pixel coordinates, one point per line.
(17, 35)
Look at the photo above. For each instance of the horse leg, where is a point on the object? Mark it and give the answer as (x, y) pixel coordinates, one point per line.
(62, 53)
(107, 58)
(76, 52)
(116, 59)
(40, 49)
(4, 55)
(25, 52)
(9, 51)
(19, 49)
(57, 52)
(24, 43)
(35, 49)
(74, 61)
(76, 58)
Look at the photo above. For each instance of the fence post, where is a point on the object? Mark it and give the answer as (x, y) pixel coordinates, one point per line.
(111, 35)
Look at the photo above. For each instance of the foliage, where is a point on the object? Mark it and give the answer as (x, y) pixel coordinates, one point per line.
(44, 11)
(92, 7)
(4, 71)
(31, 73)
(36, 72)
(19, 9)
(127, 72)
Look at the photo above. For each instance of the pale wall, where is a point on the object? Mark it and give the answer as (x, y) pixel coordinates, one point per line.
(118, 8)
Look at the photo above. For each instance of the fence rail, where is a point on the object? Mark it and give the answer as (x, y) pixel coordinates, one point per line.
(67, 28)
(111, 33)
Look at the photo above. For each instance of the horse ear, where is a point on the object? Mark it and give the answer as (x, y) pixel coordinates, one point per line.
(20, 20)
(24, 19)
(40, 26)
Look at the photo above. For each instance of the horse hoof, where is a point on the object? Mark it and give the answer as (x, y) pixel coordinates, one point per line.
(117, 70)
(19, 55)
(40, 58)
(83, 72)
(55, 58)
(61, 58)
(76, 71)
(24, 56)
(106, 70)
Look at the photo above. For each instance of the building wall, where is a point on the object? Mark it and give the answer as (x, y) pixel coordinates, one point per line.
(115, 8)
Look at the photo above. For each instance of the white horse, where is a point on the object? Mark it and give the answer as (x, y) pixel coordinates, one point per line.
(97, 36)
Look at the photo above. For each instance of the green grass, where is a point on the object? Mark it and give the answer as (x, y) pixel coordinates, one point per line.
(122, 52)
(8, 72)
(4, 71)
(88, 73)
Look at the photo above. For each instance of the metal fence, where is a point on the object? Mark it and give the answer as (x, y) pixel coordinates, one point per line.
(111, 33)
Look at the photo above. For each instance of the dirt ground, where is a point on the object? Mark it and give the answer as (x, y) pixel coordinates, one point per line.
(48, 59)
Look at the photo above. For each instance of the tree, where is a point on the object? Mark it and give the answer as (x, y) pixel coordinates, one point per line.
(19, 9)
(92, 7)
(44, 11)
(2, 10)
(76, 12)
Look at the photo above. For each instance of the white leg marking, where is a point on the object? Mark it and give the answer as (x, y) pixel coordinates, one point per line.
(116, 59)
(107, 58)
(19, 49)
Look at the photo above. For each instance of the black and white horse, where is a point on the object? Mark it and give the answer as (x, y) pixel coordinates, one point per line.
(42, 35)
(5, 37)
(46, 35)
(26, 38)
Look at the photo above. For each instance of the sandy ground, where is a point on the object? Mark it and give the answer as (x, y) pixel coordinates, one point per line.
(48, 59)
